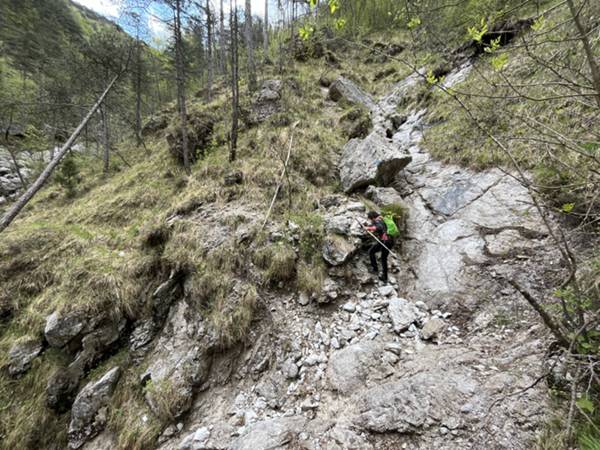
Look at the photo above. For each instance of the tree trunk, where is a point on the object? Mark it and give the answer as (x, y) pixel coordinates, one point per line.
(222, 51)
(587, 47)
(234, 83)
(17, 168)
(138, 94)
(266, 32)
(249, 46)
(180, 74)
(105, 139)
(35, 187)
(209, 27)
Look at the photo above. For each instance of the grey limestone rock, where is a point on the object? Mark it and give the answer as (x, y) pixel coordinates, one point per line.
(372, 160)
(21, 355)
(89, 415)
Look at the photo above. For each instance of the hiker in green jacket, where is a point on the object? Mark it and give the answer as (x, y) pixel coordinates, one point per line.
(384, 244)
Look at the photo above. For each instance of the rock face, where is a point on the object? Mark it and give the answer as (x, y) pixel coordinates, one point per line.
(22, 354)
(344, 89)
(343, 232)
(415, 403)
(267, 101)
(89, 415)
(180, 360)
(372, 160)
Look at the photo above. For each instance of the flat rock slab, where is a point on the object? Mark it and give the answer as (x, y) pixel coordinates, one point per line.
(349, 368)
(271, 434)
(344, 89)
(372, 160)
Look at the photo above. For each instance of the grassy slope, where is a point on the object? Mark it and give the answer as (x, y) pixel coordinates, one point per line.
(88, 253)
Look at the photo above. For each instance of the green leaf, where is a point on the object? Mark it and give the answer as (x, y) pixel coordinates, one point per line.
(414, 23)
(306, 31)
(334, 5)
(585, 404)
(313, 4)
(500, 61)
(567, 207)
(476, 33)
(340, 24)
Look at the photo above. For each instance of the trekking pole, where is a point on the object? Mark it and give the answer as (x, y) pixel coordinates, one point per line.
(388, 249)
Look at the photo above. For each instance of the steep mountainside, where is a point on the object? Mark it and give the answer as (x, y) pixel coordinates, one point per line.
(233, 308)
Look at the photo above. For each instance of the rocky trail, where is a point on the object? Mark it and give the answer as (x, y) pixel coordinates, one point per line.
(444, 357)
(432, 360)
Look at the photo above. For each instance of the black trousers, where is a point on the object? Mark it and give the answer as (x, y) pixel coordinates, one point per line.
(376, 248)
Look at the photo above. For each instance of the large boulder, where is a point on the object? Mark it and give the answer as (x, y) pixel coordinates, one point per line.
(344, 89)
(372, 160)
(89, 414)
(267, 101)
(338, 250)
(21, 355)
(61, 328)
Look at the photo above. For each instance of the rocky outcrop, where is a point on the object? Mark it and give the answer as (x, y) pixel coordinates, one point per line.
(21, 354)
(343, 232)
(199, 134)
(89, 412)
(267, 101)
(372, 160)
(344, 89)
(61, 327)
(180, 361)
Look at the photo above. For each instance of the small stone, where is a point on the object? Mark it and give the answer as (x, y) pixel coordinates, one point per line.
(311, 360)
(335, 343)
(303, 299)
(466, 408)
(290, 369)
(349, 307)
(432, 328)
(394, 348)
(386, 291)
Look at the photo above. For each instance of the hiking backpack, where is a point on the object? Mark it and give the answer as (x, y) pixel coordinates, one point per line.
(392, 228)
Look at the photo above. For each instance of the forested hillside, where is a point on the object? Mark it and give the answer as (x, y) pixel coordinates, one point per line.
(185, 242)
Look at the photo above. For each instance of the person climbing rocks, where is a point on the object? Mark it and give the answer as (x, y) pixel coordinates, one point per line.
(383, 244)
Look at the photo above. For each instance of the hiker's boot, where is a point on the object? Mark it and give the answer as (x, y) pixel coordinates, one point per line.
(384, 279)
